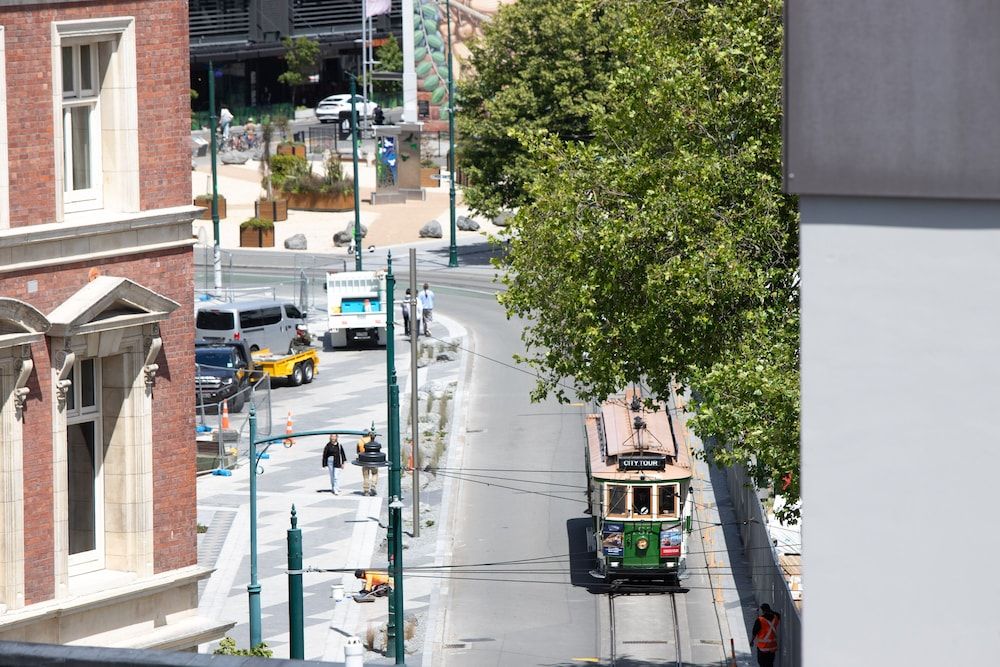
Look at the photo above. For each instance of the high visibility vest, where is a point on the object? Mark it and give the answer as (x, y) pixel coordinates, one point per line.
(373, 579)
(767, 637)
(362, 442)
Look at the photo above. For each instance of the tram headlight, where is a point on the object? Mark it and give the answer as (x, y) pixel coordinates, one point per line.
(642, 544)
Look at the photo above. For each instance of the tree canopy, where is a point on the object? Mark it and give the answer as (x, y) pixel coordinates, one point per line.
(541, 68)
(658, 248)
(301, 55)
(390, 59)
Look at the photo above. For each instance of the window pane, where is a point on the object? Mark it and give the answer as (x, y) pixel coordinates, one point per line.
(616, 499)
(293, 312)
(67, 69)
(88, 383)
(215, 320)
(71, 394)
(668, 499)
(82, 468)
(80, 141)
(271, 315)
(642, 500)
(86, 72)
(250, 319)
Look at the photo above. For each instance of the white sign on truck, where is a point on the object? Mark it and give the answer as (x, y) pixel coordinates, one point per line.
(357, 307)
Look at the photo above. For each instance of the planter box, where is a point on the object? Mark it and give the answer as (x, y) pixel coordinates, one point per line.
(257, 238)
(292, 149)
(425, 177)
(206, 201)
(275, 210)
(318, 201)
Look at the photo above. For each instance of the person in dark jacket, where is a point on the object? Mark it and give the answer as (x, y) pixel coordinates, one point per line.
(334, 458)
(765, 635)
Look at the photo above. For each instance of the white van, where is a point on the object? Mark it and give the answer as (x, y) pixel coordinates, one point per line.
(261, 323)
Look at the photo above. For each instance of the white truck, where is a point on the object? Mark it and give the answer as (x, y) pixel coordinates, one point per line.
(357, 307)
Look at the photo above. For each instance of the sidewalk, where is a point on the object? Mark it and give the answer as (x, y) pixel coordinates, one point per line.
(388, 224)
(342, 532)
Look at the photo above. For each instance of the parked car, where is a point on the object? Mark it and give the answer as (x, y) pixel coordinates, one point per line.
(329, 108)
(262, 323)
(224, 371)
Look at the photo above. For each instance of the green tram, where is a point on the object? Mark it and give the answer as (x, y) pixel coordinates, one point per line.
(639, 492)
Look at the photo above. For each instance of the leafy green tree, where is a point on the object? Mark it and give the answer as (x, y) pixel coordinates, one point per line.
(301, 55)
(541, 68)
(390, 59)
(663, 249)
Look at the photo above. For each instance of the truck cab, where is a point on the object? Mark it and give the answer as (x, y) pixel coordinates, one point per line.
(224, 371)
(357, 308)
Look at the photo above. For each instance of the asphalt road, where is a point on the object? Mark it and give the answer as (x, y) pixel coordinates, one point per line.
(522, 496)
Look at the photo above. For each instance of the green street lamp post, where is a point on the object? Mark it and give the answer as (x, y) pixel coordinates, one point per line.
(253, 588)
(216, 250)
(354, 158)
(394, 535)
(452, 248)
(296, 625)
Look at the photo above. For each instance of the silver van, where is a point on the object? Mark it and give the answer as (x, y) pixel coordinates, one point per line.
(261, 323)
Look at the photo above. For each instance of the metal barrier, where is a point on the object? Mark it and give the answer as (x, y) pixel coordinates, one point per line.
(769, 581)
(210, 416)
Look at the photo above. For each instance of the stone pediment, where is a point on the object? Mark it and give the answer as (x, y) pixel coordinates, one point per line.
(20, 323)
(109, 303)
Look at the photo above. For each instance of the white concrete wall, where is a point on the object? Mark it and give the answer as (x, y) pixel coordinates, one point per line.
(900, 431)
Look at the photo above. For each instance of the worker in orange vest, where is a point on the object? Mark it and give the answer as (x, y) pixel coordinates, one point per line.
(765, 635)
(376, 582)
(369, 473)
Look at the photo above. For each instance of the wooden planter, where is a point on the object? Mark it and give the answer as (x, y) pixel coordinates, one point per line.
(425, 177)
(206, 201)
(257, 238)
(319, 201)
(274, 210)
(292, 149)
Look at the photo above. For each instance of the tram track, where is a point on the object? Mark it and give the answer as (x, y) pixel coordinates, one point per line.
(650, 632)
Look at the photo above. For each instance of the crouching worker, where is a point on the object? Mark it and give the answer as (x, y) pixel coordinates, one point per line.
(377, 585)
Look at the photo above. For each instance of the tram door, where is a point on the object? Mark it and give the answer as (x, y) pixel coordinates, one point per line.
(642, 538)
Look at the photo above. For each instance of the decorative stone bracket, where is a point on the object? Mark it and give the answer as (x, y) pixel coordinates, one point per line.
(24, 372)
(64, 361)
(153, 344)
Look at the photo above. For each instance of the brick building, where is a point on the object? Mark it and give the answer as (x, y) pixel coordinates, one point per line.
(97, 510)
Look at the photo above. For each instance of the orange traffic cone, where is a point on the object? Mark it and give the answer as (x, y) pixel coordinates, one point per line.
(225, 415)
(289, 441)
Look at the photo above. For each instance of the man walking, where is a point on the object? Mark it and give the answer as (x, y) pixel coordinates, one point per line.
(427, 302)
(334, 458)
(765, 635)
(369, 473)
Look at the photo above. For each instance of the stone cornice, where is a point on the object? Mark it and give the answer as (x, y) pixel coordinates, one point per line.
(80, 239)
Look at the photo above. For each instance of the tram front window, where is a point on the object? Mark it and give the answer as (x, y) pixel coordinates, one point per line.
(616, 499)
(642, 500)
(668, 500)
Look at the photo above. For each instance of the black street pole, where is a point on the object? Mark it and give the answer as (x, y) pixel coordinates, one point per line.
(452, 248)
(357, 194)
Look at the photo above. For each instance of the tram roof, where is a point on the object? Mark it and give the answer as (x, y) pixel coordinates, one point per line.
(612, 435)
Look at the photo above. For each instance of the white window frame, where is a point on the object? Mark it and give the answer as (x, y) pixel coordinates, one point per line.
(114, 118)
(89, 561)
(83, 199)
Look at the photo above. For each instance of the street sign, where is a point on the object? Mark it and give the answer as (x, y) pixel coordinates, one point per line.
(440, 177)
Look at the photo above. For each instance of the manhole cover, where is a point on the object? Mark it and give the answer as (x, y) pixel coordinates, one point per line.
(454, 645)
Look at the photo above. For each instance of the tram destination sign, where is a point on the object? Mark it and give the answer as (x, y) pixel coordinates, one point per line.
(642, 462)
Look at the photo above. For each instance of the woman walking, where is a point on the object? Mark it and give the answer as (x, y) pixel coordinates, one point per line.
(334, 458)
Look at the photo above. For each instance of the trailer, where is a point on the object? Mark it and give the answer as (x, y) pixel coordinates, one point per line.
(357, 306)
(299, 367)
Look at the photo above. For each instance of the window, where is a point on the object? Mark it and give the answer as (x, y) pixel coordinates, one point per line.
(667, 500)
(95, 113)
(250, 319)
(642, 500)
(84, 462)
(81, 119)
(215, 320)
(617, 495)
(293, 312)
(270, 315)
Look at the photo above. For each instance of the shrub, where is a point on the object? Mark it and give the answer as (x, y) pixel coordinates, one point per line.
(284, 167)
(256, 223)
(227, 646)
(297, 176)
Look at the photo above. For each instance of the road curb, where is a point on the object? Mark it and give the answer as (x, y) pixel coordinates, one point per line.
(442, 551)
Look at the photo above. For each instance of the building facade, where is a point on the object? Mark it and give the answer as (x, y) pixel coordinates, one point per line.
(97, 518)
